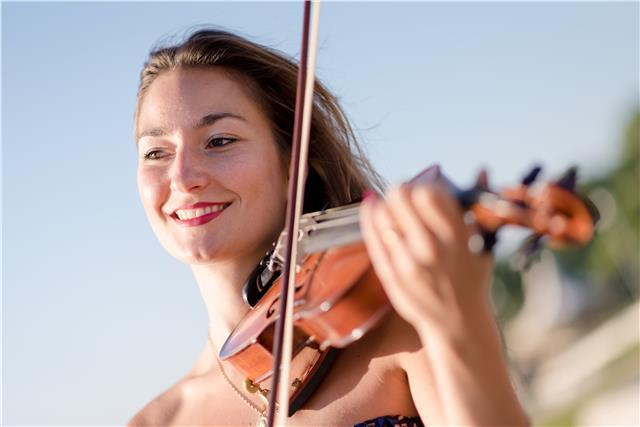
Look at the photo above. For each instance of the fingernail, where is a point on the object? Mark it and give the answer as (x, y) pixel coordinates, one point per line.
(369, 195)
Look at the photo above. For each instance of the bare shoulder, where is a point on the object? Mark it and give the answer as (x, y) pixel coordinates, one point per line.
(162, 410)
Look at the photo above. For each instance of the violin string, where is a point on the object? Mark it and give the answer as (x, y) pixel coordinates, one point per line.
(252, 405)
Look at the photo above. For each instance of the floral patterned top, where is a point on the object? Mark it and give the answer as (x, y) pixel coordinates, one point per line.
(392, 421)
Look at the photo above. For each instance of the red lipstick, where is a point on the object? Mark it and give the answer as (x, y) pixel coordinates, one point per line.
(204, 217)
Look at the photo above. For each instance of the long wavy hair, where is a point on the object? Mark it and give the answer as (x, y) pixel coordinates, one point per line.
(338, 171)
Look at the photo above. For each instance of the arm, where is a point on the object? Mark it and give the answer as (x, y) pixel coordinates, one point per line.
(417, 242)
(470, 374)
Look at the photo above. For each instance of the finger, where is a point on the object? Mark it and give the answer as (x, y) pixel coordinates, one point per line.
(413, 281)
(404, 263)
(375, 247)
(422, 242)
(440, 212)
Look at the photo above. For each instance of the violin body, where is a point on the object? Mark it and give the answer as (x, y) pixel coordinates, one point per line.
(338, 298)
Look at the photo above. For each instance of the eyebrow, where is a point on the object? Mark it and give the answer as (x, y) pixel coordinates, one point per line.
(207, 120)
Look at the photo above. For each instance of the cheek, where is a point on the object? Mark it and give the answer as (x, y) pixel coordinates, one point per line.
(150, 190)
(278, 198)
(275, 181)
(267, 193)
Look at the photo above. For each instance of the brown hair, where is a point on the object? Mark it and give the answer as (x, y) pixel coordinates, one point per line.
(338, 170)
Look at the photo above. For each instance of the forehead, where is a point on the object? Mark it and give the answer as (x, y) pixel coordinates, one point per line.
(176, 97)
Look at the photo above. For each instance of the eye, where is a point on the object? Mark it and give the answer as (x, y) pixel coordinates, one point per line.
(220, 141)
(153, 154)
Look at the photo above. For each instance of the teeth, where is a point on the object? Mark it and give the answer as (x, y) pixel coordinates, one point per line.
(184, 214)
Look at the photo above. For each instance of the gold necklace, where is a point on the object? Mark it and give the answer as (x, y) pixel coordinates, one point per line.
(254, 388)
(249, 385)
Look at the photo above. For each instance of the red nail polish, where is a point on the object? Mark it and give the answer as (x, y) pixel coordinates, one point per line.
(369, 195)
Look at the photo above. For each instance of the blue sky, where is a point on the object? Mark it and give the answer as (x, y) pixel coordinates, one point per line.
(97, 319)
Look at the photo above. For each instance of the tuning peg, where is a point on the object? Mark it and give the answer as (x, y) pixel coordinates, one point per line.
(482, 181)
(568, 180)
(531, 176)
(528, 253)
(592, 208)
(482, 241)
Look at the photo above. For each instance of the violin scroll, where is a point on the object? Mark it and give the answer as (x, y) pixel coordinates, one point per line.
(553, 209)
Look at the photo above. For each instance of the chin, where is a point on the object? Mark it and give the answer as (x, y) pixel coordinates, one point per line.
(196, 256)
(193, 253)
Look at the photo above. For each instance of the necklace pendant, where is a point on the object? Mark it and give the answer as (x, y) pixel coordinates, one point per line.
(262, 421)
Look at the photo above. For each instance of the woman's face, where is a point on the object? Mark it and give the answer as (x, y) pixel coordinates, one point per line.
(209, 173)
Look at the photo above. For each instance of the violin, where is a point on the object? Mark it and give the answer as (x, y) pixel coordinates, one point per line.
(317, 290)
(339, 298)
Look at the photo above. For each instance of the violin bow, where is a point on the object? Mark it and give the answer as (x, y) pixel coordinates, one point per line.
(283, 339)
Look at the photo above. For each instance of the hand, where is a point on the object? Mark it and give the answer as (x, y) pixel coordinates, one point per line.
(418, 244)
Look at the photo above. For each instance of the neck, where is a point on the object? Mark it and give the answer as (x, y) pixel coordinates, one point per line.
(221, 289)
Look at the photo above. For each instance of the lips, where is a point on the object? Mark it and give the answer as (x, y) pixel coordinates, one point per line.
(198, 213)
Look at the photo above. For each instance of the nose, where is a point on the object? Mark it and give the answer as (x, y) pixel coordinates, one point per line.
(188, 172)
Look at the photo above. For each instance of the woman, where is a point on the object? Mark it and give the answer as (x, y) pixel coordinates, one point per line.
(213, 129)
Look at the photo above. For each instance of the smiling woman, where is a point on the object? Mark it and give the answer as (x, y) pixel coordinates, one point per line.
(213, 127)
(208, 156)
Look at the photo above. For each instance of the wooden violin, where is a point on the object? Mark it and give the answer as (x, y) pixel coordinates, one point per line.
(338, 297)
(318, 291)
